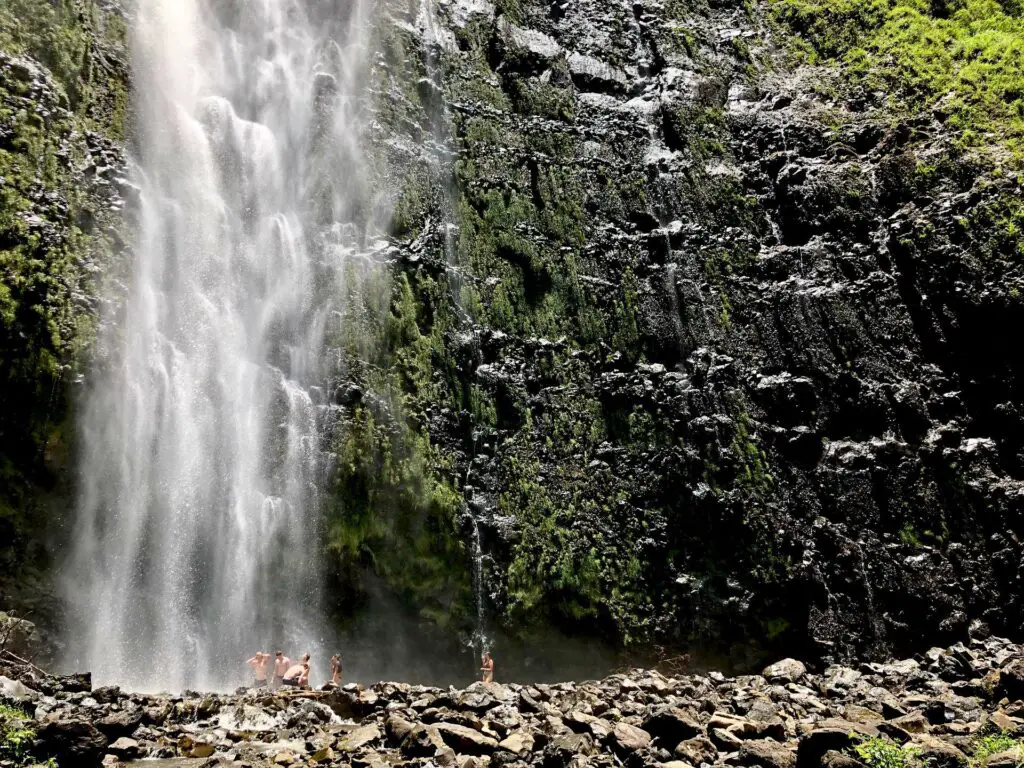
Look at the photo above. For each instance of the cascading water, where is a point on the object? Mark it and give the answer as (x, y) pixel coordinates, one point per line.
(202, 429)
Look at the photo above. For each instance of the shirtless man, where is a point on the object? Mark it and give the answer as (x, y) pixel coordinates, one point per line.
(487, 667)
(281, 664)
(297, 676)
(259, 667)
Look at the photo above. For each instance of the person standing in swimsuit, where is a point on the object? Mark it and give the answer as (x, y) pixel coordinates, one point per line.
(259, 668)
(487, 667)
(336, 669)
(281, 664)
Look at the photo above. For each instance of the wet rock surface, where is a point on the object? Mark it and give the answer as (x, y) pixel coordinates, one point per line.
(722, 345)
(637, 718)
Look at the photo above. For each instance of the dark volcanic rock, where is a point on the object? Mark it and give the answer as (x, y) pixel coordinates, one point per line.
(633, 719)
(122, 723)
(830, 735)
(671, 726)
(73, 741)
(766, 753)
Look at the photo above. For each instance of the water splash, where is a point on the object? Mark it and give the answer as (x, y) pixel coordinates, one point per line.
(197, 538)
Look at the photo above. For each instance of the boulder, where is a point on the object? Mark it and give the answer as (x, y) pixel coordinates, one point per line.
(697, 751)
(477, 699)
(19, 636)
(77, 683)
(1008, 758)
(915, 722)
(1011, 680)
(73, 741)
(742, 728)
(323, 755)
(830, 735)
(562, 749)
(120, 723)
(766, 753)
(108, 694)
(1003, 721)
(359, 738)
(938, 753)
(894, 732)
(833, 759)
(671, 725)
(423, 741)
(518, 741)
(627, 738)
(466, 740)
(201, 749)
(725, 739)
(125, 748)
(785, 671)
(15, 690)
(398, 729)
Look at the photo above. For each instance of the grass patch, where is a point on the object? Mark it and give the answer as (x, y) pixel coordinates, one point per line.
(17, 737)
(992, 744)
(879, 752)
(962, 60)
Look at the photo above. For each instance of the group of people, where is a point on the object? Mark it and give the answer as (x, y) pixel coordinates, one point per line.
(289, 675)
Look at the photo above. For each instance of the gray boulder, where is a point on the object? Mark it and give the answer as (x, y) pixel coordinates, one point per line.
(785, 671)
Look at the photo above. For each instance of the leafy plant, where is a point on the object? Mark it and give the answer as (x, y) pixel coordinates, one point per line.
(15, 738)
(879, 752)
(992, 744)
(961, 59)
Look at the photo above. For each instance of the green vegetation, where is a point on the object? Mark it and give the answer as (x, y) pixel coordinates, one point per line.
(880, 752)
(962, 60)
(16, 738)
(82, 47)
(391, 512)
(49, 227)
(393, 506)
(992, 744)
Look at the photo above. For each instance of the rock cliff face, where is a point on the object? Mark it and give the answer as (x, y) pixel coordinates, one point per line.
(63, 107)
(724, 362)
(690, 342)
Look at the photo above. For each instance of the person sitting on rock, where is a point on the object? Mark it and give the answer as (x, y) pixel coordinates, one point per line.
(487, 667)
(259, 667)
(281, 664)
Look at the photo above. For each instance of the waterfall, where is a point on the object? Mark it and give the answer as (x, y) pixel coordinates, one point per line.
(202, 429)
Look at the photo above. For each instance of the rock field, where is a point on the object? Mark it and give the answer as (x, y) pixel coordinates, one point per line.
(950, 708)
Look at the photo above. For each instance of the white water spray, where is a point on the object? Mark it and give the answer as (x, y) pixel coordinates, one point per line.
(202, 431)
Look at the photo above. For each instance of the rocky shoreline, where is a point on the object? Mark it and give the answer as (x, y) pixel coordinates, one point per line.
(959, 707)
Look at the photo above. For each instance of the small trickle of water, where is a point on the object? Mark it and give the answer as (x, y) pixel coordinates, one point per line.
(480, 639)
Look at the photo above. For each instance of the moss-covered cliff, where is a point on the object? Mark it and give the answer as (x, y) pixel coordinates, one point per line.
(63, 105)
(705, 311)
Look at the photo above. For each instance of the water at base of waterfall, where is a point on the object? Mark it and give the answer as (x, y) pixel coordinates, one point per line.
(204, 422)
